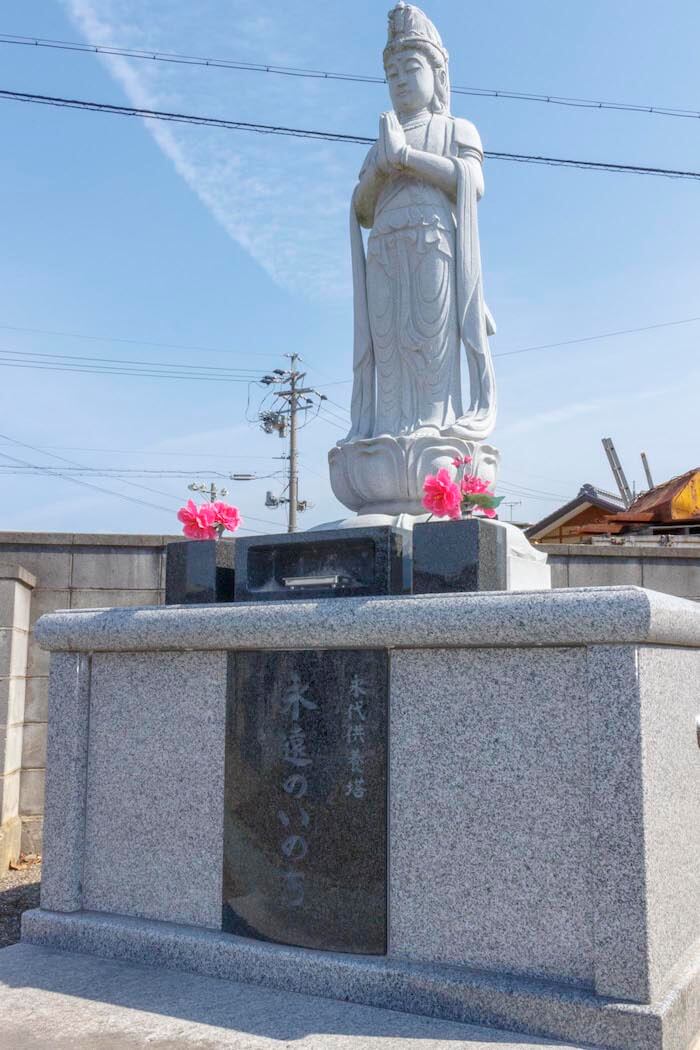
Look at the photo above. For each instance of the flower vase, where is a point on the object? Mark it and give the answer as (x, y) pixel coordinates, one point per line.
(199, 572)
(465, 555)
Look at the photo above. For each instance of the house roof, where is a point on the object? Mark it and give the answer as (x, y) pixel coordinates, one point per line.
(676, 500)
(588, 496)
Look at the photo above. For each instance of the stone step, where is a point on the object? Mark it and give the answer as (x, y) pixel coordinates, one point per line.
(55, 1000)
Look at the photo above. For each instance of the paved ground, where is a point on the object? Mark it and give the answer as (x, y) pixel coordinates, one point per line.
(53, 1000)
(19, 890)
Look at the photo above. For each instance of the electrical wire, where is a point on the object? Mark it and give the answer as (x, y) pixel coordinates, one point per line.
(331, 136)
(52, 472)
(145, 451)
(332, 422)
(88, 370)
(593, 338)
(246, 373)
(319, 74)
(87, 484)
(74, 463)
(132, 342)
(342, 408)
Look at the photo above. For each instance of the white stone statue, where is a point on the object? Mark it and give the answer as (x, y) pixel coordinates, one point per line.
(418, 297)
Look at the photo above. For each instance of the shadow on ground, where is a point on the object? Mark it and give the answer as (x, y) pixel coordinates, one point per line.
(64, 1000)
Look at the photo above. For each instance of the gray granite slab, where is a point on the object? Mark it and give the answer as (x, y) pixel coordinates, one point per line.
(645, 784)
(74, 1002)
(64, 804)
(505, 1002)
(605, 615)
(670, 705)
(617, 822)
(154, 817)
(489, 853)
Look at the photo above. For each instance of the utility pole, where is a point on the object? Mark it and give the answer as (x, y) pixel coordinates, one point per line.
(286, 420)
(513, 503)
(210, 490)
(293, 450)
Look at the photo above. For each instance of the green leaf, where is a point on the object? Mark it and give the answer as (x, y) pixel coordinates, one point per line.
(482, 499)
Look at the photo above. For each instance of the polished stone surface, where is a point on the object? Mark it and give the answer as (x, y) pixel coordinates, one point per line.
(64, 1001)
(199, 572)
(584, 616)
(497, 1000)
(332, 564)
(155, 786)
(468, 555)
(305, 829)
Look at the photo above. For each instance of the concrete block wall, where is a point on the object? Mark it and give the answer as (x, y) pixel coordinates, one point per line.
(671, 570)
(70, 571)
(16, 586)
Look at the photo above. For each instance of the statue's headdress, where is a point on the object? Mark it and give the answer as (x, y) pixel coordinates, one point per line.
(408, 25)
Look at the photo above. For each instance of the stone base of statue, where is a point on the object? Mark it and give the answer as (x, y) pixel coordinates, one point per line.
(526, 568)
(384, 475)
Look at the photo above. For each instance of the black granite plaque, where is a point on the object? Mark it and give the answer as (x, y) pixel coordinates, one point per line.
(199, 572)
(305, 832)
(467, 555)
(337, 563)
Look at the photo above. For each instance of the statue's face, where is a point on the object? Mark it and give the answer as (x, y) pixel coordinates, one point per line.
(411, 81)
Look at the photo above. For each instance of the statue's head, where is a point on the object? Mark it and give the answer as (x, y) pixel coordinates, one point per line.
(415, 63)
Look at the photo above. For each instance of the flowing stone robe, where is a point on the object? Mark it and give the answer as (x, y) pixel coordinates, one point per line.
(418, 299)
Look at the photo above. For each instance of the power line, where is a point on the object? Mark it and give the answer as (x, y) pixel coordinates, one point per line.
(88, 370)
(319, 74)
(52, 472)
(86, 484)
(132, 342)
(330, 136)
(343, 409)
(247, 373)
(125, 473)
(144, 451)
(74, 463)
(593, 338)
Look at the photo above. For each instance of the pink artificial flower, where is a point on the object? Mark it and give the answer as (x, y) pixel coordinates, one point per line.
(488, 512)
(441, 495)
(460, 461)
(474, 486)
(226, 516)
(198, 521)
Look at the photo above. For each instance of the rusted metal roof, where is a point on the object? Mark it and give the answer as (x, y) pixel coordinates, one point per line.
(676, 500)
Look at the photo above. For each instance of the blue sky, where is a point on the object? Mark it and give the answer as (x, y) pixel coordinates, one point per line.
(238, 243)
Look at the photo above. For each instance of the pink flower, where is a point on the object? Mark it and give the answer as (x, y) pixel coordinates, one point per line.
(198, 521)
(460, 461)
(488, 512)
(474, 486)
(441, 495)
(226, 516)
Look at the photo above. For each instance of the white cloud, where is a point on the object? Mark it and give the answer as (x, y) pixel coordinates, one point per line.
(593, 407)
(283, 200)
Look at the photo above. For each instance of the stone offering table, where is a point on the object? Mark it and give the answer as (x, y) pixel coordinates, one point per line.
(543, 833)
